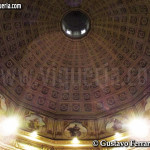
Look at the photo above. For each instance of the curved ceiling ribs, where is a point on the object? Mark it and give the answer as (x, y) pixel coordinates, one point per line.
(51, 73)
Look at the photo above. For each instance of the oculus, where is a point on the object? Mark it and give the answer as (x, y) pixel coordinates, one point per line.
(75, 24)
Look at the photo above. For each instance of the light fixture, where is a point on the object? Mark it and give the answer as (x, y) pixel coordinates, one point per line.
(68, 32)
(83, 31)
(9, 126)
(118, 135)
(138, 128)
(75, 141)
(34, 134)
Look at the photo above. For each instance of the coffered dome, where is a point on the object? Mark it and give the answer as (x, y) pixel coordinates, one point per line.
(46, 71)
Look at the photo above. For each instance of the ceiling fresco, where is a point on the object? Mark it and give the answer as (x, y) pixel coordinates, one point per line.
(47, 72)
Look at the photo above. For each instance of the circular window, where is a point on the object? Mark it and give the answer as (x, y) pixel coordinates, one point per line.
(75, 24)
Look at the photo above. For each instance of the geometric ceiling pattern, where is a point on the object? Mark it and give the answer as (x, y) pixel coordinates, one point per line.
(107, 70)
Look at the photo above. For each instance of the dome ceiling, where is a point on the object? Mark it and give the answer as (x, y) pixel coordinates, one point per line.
(46, 71)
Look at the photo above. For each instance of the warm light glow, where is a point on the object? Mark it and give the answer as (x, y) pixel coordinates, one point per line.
(138, 128)
(68, 32)
(34, 134)
(120, 148)
(118, 135)
(83, 31)
(9, 126)
(28, 147)
(75, 141)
